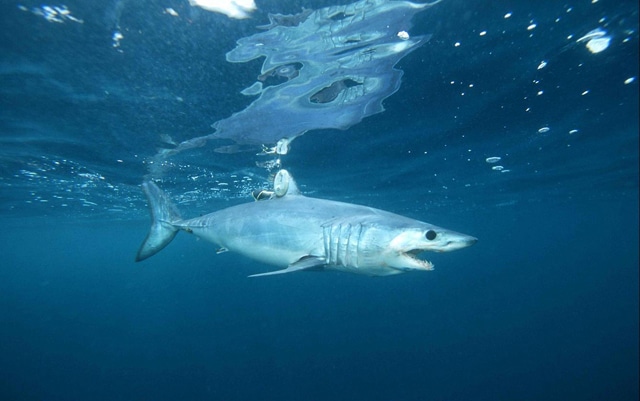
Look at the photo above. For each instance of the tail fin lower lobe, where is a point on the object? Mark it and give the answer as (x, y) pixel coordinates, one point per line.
(163, 217)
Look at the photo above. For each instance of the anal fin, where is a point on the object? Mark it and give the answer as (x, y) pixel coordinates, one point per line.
(308, 262)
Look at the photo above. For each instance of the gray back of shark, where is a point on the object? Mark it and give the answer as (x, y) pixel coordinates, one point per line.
(303, 233)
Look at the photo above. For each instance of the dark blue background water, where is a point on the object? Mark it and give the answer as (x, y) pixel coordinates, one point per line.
(545, 306)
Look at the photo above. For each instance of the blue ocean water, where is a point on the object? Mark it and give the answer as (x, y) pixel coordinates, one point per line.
(544, 306)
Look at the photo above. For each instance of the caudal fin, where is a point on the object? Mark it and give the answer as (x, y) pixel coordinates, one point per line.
(163, 216)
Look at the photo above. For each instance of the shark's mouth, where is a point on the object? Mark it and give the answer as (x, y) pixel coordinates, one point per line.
(411, 261)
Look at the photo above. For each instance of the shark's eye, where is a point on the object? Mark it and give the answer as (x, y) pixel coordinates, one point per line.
(431, 235)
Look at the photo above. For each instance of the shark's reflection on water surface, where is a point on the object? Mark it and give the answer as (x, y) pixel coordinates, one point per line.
(322, 69)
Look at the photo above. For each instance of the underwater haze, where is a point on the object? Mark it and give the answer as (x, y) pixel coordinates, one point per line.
(515, 122)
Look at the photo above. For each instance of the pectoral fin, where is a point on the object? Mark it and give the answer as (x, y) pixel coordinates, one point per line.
(308, 262)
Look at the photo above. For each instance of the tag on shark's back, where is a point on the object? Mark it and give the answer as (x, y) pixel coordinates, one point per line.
(284, 184)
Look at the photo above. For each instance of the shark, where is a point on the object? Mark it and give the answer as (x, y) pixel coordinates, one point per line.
(300, 233)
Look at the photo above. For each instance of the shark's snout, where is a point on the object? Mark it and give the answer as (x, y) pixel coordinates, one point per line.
(452, 241)
(460, 243)
(470, 241)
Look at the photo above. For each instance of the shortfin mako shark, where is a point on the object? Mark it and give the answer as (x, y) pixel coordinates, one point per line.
(302, 233)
